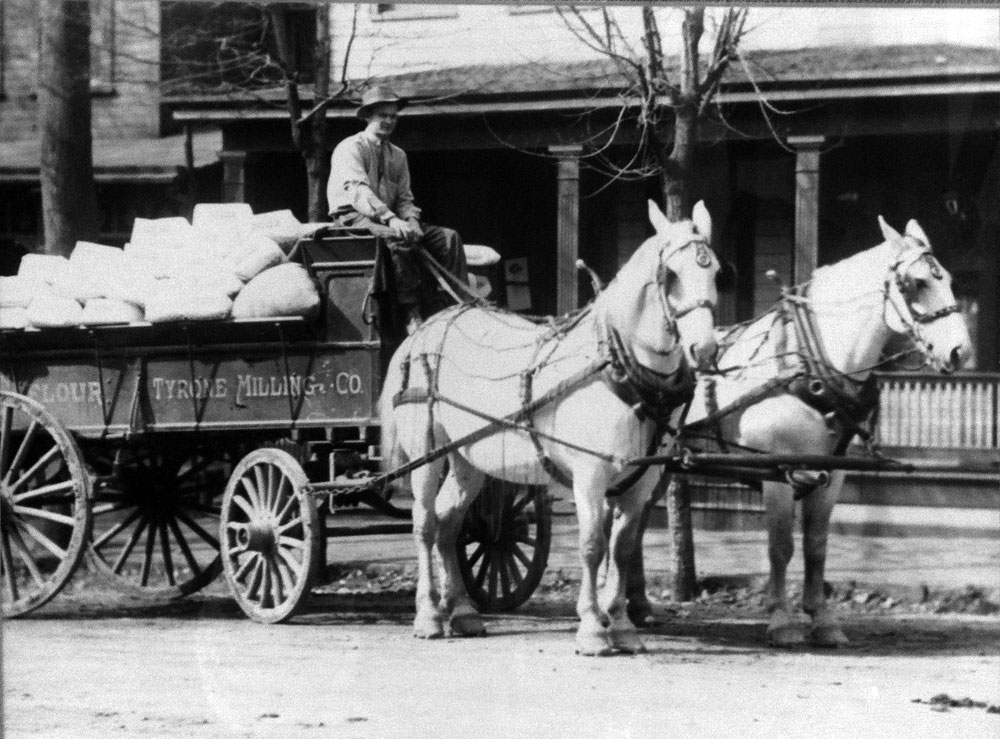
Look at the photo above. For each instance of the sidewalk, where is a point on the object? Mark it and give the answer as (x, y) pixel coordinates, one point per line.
(888, 562)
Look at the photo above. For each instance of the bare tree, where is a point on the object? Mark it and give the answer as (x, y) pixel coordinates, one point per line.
(252, 50)
(666, 97)
(69, 200)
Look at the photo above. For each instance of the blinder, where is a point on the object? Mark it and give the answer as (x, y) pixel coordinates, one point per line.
(725, 280)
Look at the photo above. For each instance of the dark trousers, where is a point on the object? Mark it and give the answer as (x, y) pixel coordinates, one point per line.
(444, 244)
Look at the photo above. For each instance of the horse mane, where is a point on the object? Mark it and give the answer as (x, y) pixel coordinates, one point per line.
(840, 278)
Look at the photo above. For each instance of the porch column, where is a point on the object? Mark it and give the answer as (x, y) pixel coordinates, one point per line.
(805, 257)
(233, 176)
(568, 226)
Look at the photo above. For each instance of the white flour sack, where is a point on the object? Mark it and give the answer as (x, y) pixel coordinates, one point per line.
(254, 255)
(50, 311)
(42, 267)
(134, 280)
(181, 300)
(205, 274)
(13, 318)
(223, 227)
(280, 226)
(18, 291)
(108, 310)
(285, 290)
(164, 233)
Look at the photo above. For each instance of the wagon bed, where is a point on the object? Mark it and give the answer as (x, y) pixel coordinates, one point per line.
(171, 452)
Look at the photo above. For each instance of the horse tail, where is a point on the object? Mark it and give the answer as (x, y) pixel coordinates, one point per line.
(393, 454)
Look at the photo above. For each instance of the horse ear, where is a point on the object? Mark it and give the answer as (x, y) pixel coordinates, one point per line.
(888, 232)
(914, 230)
(658, 218)
(702, 220)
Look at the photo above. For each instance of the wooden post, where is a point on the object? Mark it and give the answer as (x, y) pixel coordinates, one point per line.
(233, 176)
(681, 537)
(568, 227)
(806, 255)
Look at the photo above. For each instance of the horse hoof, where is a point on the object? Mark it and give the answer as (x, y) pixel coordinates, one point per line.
(641, 615)
(428, 628)
(829, 636)
(788, 635)
(593, 645)
(627, 641)
(468, 624)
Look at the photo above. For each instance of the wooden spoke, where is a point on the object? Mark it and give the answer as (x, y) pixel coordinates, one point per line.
(46, 505)
(10, 574)
(129, 546)
(27, 558)
(22, 450)
(241, 573)
(504, 548)
(196, 528)
(6, 432)
(182, 544)
(51, 454)
(42, 539)
(33, 512)
(56, 487)
(168, 562)
(267, 513)
(116, 529)
(147, 560)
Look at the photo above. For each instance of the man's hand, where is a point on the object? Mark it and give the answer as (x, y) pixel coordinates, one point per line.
(408, 231)
(413, 227)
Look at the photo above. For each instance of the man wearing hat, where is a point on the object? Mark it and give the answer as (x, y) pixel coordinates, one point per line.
(369, 187)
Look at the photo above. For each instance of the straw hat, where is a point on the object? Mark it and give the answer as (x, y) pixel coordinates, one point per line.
(375, 95)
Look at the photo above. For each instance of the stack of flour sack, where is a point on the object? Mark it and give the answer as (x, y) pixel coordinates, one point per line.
(225, 263)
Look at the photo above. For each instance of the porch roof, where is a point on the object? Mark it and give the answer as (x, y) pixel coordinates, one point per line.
(786, 76)
(151, 160)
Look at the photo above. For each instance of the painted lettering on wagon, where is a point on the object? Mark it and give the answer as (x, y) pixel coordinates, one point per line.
(255, 386)
(61, 392)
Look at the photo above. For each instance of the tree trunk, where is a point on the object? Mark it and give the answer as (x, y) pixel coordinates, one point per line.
(676, 176)
(66, 171)
(317, 148)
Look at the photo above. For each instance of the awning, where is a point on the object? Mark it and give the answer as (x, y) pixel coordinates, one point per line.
(124, 161)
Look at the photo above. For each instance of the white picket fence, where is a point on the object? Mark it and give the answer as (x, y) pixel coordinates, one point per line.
(939, 411)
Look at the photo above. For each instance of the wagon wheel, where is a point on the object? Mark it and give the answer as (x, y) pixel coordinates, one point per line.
(503, 545)
(270, 534)
(45, 515)
(156, 518)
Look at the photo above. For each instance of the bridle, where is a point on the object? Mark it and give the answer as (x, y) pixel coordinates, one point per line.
(912, 319)
(703, 258)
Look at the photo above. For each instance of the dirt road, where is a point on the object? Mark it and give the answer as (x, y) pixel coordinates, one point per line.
(95, 665)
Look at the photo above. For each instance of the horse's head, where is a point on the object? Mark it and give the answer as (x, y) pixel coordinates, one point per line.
(686, 273)
(920, 302)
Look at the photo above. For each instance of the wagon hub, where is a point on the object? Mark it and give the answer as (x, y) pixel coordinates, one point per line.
(259, 536)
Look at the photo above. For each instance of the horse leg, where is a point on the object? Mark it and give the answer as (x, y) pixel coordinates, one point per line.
(782, 629)
(459, 490)
(639, 609)
(588, 492)
(816, 509)
(427, 622)
(627, 512)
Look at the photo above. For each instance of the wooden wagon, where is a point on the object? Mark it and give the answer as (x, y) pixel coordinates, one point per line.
(168, 453)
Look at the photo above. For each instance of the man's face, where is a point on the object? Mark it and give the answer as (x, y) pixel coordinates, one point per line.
(382, 120)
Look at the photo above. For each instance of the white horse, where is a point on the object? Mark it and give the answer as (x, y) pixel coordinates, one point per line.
(577, 388)
(795, 384)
